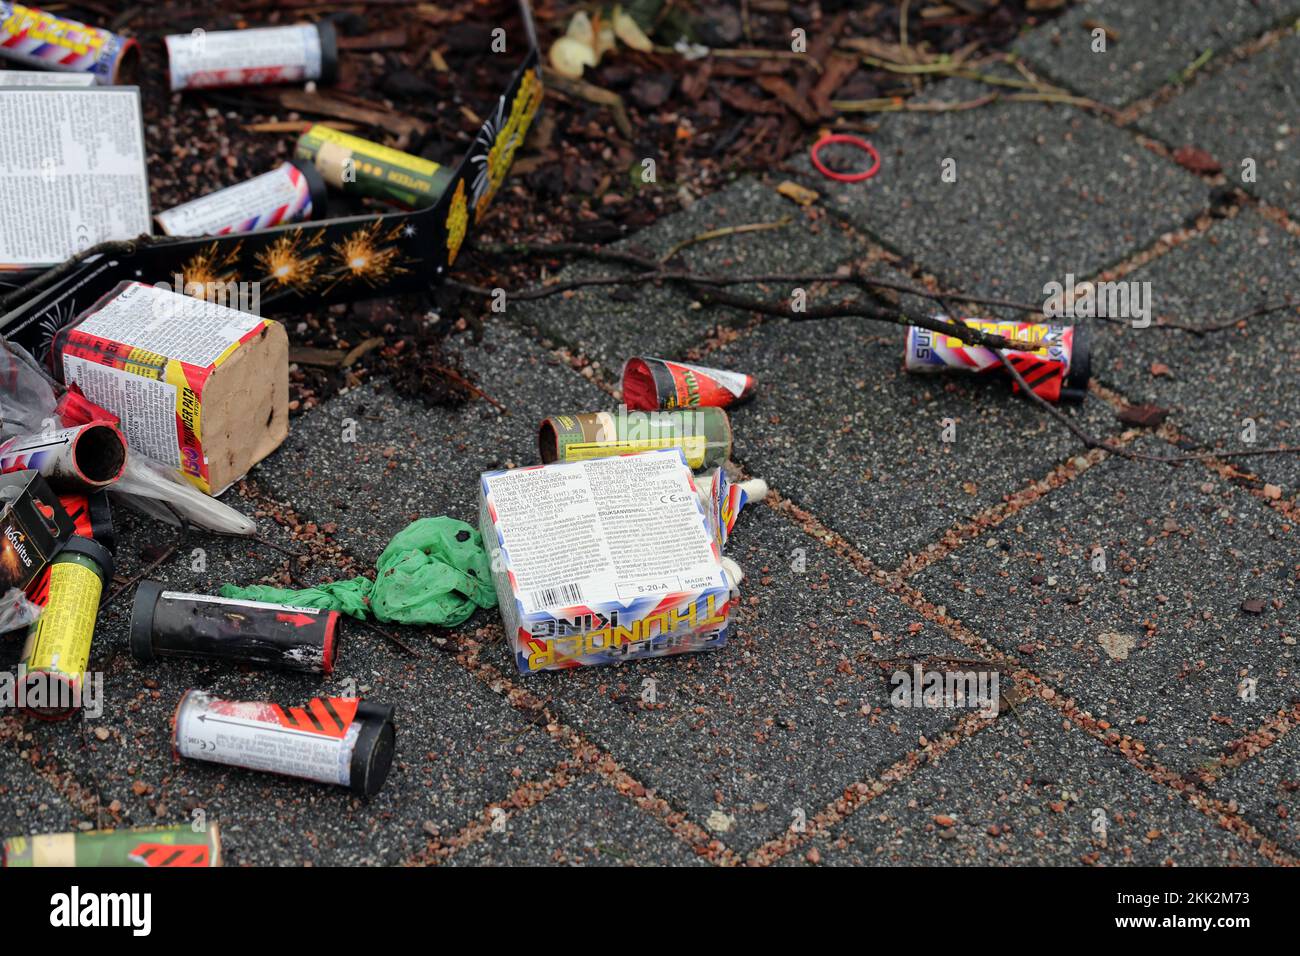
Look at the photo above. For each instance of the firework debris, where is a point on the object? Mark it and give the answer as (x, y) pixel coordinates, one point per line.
(149, 355)
(653, 383)
(33, 525)
(171, 846)
(622, 538)
(337, 740)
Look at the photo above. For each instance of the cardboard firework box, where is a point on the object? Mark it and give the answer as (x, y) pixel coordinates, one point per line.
(198, 386)
(33, 526)
(602, 561)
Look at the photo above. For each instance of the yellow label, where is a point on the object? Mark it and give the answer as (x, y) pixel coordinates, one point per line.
(1031, 334)
(693, 445)
(61, 641)
(363, 147)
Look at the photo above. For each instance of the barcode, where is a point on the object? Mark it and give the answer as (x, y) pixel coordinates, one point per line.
(562, 595)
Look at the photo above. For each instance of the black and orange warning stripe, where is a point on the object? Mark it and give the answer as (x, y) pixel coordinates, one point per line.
(328, 716)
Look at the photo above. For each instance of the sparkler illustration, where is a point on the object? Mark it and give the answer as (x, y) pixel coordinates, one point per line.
(286, 261)
(367, 256)
(211, 268)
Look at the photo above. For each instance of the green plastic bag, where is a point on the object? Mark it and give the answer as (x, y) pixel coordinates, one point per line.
(433, 572)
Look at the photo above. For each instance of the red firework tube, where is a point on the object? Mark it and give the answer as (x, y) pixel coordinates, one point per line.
(292, 54)
(653, 383)
(1056, 366)
(46, 42)
(338, 740)
(85, 457)
(92, 517)
(176, 624)
(290, 193)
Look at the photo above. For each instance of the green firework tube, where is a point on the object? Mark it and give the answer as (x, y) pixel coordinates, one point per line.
(703, 435)
(359, 167)
(178, 846)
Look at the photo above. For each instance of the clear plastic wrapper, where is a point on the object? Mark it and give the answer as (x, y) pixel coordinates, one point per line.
(16, 612)
(29, 401)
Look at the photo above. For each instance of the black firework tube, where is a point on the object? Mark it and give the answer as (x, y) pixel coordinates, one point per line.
(176, 624)
(338, 740)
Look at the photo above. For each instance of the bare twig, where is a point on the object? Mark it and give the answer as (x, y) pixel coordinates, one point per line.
(711, 290)
(723, 232)
(392, 637)
(1090, 441)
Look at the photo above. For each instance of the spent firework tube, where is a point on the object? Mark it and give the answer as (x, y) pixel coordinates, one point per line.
(293, 54)
(58, 644)
(703, 435)
(723, 500)
(290, 193)
(176, 624)
(1056, 364)
(652, 383)
(46, 42)
(359, 167)
(92, 516)
(338, 740)
(82, 458)
(172, 847)
(13, 78)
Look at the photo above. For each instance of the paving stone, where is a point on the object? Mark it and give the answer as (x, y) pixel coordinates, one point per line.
(28, 803)
(1041, 191)
(1214, 383)
(584, 824)
(1267, 791)
(1153, 42)
(1158, 644)
(793, 709)
(837, 426)
(610, 325)
(459, 746)
(1246, 111)
(1041, 786)
(409, 461)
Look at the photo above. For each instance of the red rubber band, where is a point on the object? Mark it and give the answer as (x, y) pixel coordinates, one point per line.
(848, 140)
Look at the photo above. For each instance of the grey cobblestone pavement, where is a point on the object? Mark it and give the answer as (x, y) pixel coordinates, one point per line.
(1151, 704)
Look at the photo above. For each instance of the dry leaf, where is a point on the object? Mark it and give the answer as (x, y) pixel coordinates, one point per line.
(630, 32)
(580, 29)
(800, 194)
(569, 57)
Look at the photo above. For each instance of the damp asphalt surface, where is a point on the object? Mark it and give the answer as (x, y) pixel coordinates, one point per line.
(1149, 700)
